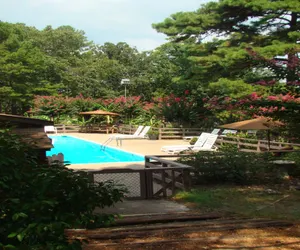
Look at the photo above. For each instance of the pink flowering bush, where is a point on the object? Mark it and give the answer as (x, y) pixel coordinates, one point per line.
(183, 110)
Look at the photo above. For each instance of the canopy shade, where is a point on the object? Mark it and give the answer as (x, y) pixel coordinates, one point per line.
(99, 112)
(261, 123)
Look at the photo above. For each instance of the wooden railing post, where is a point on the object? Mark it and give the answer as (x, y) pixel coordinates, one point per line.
(183, 132)
(186, 178)
(147, 160)
(149, 184)
(91, 177)
(143, 184)
(173, 182)
(159, 133)
(163, 180)
(258, 146)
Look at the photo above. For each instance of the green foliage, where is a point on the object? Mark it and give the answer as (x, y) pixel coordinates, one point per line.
(193, 140)
(61, 61)
(223, 66)
(38, 202)
(294, 169)
(234, 167)
(226, 87)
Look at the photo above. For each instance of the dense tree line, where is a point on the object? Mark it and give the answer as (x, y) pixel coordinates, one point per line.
(225, 48)
(62, 61)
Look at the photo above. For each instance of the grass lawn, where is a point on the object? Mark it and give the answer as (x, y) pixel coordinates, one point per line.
(258, 201)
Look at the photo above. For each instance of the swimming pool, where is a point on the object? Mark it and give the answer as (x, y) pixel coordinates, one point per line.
(78, 151)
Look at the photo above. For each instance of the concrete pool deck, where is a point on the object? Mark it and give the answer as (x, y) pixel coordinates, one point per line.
(137, 146)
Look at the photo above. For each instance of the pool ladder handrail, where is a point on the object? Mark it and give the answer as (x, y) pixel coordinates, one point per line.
(106, 142)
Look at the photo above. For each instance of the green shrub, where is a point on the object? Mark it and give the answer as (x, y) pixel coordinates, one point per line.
(38, 202)
(294, 170)
(193, 140)
(234, 167)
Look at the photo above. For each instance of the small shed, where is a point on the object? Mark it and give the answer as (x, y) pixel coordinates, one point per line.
(31, 131)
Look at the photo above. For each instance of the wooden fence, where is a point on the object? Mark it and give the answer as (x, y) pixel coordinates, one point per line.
(163, 133)
(254, 145)
(243, 144)
(61, 128)
(159, 178)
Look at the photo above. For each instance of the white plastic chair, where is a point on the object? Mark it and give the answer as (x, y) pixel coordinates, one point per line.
(51, 129)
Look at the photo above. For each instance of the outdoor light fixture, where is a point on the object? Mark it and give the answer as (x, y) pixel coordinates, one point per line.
(125, 82)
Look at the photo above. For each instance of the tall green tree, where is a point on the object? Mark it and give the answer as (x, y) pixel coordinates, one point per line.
(216, 38)
(23, 66)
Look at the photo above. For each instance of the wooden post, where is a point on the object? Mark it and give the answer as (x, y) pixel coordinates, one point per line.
(183, 132)
(149, 184)
(91, 177)
(258, 146)
(186, 179)
(159, 133)
(163, 180)
(147, 160)
(143, 184)
(173, 182)
(64, 128)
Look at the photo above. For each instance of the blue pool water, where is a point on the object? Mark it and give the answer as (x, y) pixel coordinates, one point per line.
(77, 151)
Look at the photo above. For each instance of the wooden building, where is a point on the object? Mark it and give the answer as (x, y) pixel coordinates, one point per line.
(31, 131)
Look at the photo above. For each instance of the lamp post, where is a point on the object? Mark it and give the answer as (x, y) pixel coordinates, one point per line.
(125, 82)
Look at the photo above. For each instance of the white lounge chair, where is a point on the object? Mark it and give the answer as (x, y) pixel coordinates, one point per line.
(141, 135)
(229, 131)
(51, 129)
(188, 138)
(205, 142)
(136, 133)
(216, 131)
(199, 143)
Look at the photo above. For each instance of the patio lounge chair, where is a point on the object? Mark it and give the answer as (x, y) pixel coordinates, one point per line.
(205, 142)
(229, 131)
(188, 138)
(141, 135)
(178, 148)
(216, 131)
(48, 129)
(136, 133)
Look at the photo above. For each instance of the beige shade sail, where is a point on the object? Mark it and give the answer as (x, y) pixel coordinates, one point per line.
(99, 112)
(260, 123)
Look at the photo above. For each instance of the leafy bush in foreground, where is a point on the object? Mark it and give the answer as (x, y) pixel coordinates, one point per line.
(38, 202)
(231, 166)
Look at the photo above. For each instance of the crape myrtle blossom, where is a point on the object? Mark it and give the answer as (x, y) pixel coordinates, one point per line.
(171, 106)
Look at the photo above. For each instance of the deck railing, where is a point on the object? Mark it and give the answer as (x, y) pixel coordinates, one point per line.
(254, 145)
(243, 144)
(61, 128)
(159, 178)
